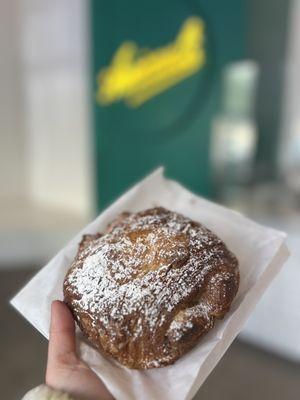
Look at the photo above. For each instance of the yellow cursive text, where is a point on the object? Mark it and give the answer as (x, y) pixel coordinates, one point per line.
(136, 75)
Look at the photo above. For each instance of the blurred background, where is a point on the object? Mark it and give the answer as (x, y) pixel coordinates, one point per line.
(95, 94)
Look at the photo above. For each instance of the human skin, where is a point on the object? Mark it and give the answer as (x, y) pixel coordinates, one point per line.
(65, 371)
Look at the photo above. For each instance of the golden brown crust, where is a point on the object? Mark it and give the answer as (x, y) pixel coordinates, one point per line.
(149, 288)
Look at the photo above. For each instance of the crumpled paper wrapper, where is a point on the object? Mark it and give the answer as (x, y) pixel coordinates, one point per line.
(261, 252)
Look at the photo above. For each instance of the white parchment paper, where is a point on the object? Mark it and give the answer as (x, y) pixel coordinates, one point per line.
(261, 252)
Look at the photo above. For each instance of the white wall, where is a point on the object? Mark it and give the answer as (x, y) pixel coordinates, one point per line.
(45, 138)
(45, 151)
(12, 174)
(55, 56)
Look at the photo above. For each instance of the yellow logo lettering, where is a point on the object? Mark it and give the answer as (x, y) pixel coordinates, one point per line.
(136, 75)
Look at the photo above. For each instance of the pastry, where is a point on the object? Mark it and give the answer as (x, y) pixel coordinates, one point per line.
(149, 287)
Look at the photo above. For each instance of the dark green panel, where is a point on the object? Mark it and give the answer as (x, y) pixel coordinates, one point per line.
(172, 128)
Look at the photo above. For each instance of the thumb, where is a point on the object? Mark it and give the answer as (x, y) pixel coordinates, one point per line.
(62, 346)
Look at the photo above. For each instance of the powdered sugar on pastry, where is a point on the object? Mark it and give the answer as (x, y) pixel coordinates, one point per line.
(150, 287)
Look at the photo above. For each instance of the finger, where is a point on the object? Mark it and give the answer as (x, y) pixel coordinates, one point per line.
(62, 344)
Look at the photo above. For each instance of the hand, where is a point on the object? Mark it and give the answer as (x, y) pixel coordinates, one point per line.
(65, 371)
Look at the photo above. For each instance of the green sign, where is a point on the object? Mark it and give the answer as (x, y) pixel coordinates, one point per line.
(156, 71)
